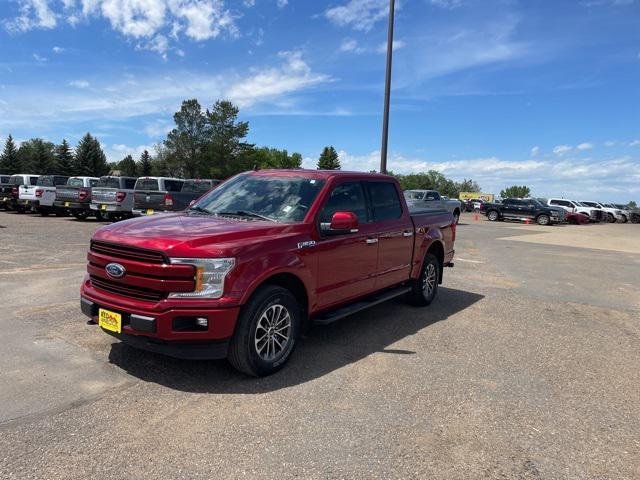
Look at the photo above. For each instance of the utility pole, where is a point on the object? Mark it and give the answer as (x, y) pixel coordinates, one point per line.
(387, 91)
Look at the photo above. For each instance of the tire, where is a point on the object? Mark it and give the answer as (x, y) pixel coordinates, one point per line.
(20, 209)
(624, 219)
(493, 215)
(543, 220)
(80, 214)
(246, 352)
(456, 216)
(99, 216)
(425, 289)
(611, 218)
(43, 212)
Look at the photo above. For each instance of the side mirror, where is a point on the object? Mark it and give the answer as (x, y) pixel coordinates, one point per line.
(341, 223)
(192, 202)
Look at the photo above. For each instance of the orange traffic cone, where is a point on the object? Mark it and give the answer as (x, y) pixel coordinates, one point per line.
(476, 217)
(527, 221)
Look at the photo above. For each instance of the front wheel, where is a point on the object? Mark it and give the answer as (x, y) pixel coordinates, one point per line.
(611, 218)
(493, 215)
(543, 219)
(266, 332)
(624, 219)
(80, 214)
(425, 288)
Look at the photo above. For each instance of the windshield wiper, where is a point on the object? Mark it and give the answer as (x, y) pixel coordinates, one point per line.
(246, 213)
(199, 210)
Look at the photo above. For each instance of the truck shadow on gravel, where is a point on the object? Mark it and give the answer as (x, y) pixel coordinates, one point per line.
(322, 350)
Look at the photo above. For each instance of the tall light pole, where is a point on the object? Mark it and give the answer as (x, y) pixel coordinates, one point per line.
(387, 91)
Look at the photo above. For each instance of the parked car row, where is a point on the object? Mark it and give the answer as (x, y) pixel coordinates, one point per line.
(557, 210)
(109, 197)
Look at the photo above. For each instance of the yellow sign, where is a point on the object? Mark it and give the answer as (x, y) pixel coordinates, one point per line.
(110, 320)
(487, 197)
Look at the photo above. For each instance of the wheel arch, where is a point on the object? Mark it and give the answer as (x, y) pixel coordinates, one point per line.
(437, 250)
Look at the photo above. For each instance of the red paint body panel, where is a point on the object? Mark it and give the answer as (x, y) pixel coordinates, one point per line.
(334, 270)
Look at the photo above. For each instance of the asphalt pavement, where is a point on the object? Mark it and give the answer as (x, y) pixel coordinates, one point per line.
(526, 366)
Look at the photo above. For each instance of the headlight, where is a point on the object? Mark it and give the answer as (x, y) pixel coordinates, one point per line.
(210, 275)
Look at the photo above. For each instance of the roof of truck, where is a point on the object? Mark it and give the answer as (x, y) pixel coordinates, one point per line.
(319, 173)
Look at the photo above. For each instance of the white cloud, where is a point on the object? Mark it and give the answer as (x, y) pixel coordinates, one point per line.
(585, 146)
(446, 3)
(293, 75)
(153, 20)
(635, 143)
(535, 151)
(351, 45)
(79, 84)
(397, 45)
(609, 143)
(359, 14)
(33, 14)
(39, 58)
(57, 49)
(157, 129)
(118, 151)
(561, 150)
(282, 3)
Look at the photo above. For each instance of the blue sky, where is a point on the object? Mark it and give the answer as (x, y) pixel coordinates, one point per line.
(544, 93)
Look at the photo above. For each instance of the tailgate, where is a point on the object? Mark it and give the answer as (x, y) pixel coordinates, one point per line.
(67, 193)
(144, 200)
(27, 192)
(104, 195)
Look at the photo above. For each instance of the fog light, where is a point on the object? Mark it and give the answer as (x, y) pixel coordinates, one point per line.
(202, 322)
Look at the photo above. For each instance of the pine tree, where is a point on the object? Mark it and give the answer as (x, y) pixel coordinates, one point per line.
(64, 159)
(329, 159)
(9, 163)
(90, 159)
(128, 167)
(144, 165)
(36, 155)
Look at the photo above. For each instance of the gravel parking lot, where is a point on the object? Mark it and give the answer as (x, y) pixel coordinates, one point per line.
(527, 366)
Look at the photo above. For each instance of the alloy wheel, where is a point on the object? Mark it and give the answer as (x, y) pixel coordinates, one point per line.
(273, 332)
(429, 280)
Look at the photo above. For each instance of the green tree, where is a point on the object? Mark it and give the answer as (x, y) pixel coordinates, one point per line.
(516, 191)
(329, 159)
(188, 140)
(9, 163)
(90, 159)
(36, 155)
(227, 152)
(128, 167)
(64, 159)
(265, 157)
(633, 205)
(467, 186)
(144, 165)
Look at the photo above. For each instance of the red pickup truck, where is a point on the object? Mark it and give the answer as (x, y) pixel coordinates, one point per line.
(241, 272)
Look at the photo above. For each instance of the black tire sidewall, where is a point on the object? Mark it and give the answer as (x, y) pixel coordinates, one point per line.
(262, 299)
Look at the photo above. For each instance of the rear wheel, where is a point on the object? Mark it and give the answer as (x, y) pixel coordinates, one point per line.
(266, 332)
(611, 218)
(543, 219)
(79, 214)
(456, 216)
(425, 288)
(43, 212)
(493, 215)
(99, 215)
(624, 219)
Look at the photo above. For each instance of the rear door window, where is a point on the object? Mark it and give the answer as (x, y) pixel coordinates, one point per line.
(147, 184)
(346, 197)
(129, 183)
(385, 202)
(32, 180)
(173, 185)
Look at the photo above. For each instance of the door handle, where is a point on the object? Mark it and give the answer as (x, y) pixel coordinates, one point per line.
(372, 241)
(407, 233)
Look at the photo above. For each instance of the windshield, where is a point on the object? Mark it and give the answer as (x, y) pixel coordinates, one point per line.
(412, 195)
(276, 198)
(108, 182)
(75, 182)
(591, 204)
(537, 203)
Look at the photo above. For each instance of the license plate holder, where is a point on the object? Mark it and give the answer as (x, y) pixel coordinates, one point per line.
(66, 204)
(109, 320)
(103, 207)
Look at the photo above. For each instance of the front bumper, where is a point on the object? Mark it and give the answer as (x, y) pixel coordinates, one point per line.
(155, 331)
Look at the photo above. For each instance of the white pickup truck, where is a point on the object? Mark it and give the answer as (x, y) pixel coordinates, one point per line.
(594, 214)
(40, 197)
(611, 214)
(433, 200)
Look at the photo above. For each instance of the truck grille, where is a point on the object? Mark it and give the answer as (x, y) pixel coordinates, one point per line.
(128, 253)
(126, 290)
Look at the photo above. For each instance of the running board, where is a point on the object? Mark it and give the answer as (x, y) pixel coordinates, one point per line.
(360, 305)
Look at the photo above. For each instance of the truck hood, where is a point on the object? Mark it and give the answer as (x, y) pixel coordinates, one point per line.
(190, 234)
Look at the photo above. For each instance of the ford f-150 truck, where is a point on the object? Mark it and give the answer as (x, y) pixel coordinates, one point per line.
(75, 197)
(524, 209)
(249, 265)
(157, 195)
(10, 191)
(41, 197)
(113, 196)
(432, 199)
(611, 214)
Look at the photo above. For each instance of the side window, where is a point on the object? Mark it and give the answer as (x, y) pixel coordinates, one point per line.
(129, 183)
(173, 185)
(60, 180)
(93, 183)
(432, 196)
(555, 202)
(346, 197)
(566, 203)
(33, 180)
(384, 201)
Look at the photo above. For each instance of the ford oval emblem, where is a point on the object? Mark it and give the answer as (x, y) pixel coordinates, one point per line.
(115, 270)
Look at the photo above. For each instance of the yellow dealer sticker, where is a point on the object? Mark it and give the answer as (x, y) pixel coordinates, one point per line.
(110, 320)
